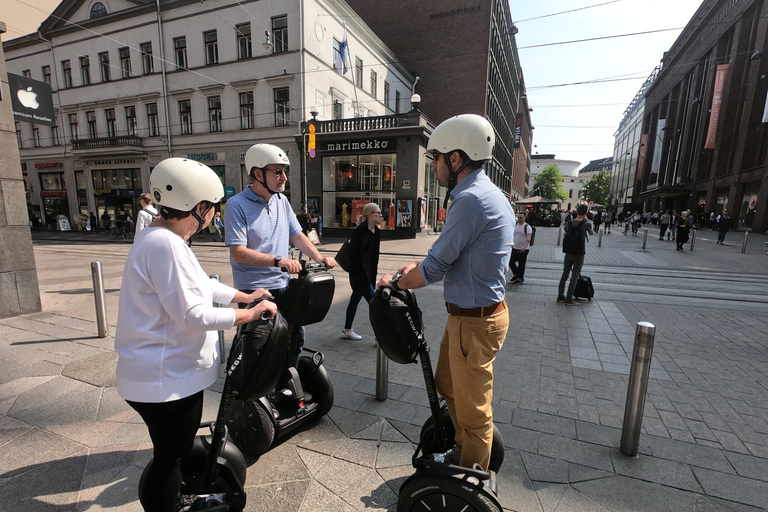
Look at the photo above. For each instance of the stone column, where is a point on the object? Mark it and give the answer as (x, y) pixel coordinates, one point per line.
(19, 292)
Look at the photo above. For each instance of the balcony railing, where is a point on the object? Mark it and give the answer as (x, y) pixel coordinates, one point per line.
(107, 142)
(367, 123)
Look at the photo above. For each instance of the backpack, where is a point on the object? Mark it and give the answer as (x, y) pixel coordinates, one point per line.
(573, 241)
(533, 235)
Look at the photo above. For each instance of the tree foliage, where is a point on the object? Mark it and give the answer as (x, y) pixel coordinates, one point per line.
(596, 189)
(550, 183)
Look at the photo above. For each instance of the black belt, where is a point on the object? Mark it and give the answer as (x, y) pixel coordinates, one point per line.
(454, 310)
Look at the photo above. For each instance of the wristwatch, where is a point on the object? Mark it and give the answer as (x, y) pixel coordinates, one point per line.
(394, 281)
(277, 260)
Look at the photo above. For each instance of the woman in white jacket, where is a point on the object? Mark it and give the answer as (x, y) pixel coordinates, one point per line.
(166, 327)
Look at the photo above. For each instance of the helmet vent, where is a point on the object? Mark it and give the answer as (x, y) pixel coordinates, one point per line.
(168, 188)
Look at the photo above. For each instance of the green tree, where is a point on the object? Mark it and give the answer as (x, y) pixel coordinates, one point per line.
(596, 189)
(549, 183)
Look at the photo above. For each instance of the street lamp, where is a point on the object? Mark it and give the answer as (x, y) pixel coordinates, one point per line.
(267, 44)
(314, 112)
(415, 102)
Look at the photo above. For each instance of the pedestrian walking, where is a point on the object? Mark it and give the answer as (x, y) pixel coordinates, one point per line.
(673, 221)
(574, 248)
(364, 262)
(664, 224)
(608, 221)
(472, 255)
(521, 242)
(723, 227)
(683, 227)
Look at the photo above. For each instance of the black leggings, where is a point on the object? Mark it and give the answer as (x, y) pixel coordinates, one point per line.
(172, 427)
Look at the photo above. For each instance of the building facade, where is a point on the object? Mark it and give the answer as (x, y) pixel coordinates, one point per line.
(466, 60)
(705, 118)
(569, 170)
(136, 82)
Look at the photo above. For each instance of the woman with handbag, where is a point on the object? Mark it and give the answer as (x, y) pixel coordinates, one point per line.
(364, 261)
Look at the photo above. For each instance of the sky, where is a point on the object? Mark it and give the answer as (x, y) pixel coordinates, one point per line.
(578, 122)
(575, 122)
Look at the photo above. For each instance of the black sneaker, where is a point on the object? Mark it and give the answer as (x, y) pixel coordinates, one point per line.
(561, 299)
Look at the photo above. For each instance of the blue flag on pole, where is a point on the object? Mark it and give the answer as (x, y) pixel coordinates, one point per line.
(342, 57)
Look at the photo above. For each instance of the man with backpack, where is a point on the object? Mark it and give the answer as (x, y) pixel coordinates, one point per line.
(522, 239)
(574, 247)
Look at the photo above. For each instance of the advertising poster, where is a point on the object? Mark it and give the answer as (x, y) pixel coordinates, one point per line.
(717, 101)
(404, 213)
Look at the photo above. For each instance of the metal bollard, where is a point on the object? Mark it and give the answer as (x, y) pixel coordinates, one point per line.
(744, 243)
(638, 385)
(693, 239)
(600, 238)
(98, 294)
(382, 374)
(559, 233)
(221, 332)
(645, 237)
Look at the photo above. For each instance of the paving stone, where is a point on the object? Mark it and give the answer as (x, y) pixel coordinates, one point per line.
(651, 469)
(622, 493)
(578, 452)
(544, 423)
(732, 487)
(688, 453)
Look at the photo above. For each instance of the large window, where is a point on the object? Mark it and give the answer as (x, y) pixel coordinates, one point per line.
(246, 110)
(374, 80)
(109, 115)
(243, 41)
(117, 179)
(397, 102)
(153, 124)
(386, 94)
(52, 181)
(180, 52)
(98, 10)
(130, 120)
(46, 71)
(359, 72)
(66, 73)
(282, 107)
(211, 47)
(85, 70)
(214, 113)
(185, 116)
(337, 64)
(91, 117)
(104, 66)
(147, 63)
(337, 109)
(19, 138)
(125, 62)
(35, 136)
(55, 134)
(280, 34)
(351, 181)
(73, 131)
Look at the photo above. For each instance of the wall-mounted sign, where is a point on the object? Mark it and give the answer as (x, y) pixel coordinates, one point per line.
(361, 145)
(406, 184)
(53, 193)
(46, 165)
(203, 156)
(114, 162)
(229, 191)
(31, 100)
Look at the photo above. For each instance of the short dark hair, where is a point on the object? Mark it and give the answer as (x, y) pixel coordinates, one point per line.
(471, 164)
(168, 213)
(582, 209)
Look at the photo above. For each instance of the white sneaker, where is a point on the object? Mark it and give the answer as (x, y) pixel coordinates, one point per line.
(351, 335)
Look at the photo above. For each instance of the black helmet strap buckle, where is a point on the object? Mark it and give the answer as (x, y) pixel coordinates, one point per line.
(452, 176)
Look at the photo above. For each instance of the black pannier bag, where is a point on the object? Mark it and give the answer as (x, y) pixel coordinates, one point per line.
(397, 323)
(311, 296)
(257, 357)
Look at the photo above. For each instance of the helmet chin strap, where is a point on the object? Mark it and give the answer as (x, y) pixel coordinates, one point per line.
(451, 177)
(200, 220)
(263, 182)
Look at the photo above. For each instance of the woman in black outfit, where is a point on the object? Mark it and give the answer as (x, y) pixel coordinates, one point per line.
(683, 226)
(364, 258)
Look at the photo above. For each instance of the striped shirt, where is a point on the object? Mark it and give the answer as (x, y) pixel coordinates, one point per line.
(264, 226)
(472, 252)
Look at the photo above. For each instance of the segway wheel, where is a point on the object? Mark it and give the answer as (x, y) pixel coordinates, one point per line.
(428, 492)
(250, 426)
(316, 380)
(431, 444)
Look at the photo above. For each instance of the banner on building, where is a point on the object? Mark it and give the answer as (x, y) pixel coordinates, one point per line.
(518, 129)
(658, 146)
(641, 152)
(717, 100)
(765, 109)
(31, 100)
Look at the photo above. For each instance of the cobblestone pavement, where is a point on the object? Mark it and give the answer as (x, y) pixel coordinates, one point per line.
(68, 442)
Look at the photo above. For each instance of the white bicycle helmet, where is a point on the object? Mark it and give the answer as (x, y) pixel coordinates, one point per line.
(470, 133)
(181, 184)
(261, 155)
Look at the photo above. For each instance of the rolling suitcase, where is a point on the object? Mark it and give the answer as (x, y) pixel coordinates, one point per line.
(584, 288)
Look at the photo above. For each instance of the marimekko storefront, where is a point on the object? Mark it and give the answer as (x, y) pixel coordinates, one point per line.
(352, 166)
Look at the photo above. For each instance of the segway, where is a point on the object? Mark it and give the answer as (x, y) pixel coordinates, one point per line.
(397, 324)
(214, 471)
(256, 423)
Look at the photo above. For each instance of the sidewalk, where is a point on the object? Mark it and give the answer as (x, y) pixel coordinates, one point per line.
(68, 442)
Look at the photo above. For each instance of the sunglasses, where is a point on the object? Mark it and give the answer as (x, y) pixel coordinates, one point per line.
(280, 172)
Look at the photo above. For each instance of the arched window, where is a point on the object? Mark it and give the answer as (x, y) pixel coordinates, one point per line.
(570, 193)
(98, 10)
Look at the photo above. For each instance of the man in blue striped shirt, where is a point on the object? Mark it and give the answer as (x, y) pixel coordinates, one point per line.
(471, 255)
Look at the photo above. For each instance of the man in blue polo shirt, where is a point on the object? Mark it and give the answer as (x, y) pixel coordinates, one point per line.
(472, 255)
(259, 223)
